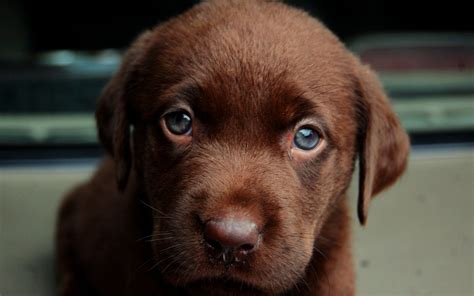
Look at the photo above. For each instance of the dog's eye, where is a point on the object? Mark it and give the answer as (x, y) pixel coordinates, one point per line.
(306, 138)
(178, 122)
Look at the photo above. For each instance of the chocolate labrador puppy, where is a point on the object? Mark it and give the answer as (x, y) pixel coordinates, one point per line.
(232, 131)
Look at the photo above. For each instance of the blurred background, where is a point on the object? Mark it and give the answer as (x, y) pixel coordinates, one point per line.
(56, 57)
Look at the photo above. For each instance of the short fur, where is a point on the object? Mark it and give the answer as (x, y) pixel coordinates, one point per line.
(249, 70)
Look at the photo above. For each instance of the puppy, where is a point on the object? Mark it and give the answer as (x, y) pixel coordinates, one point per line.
(232, 131)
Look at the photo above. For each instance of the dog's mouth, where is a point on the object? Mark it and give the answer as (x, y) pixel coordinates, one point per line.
(215, 274)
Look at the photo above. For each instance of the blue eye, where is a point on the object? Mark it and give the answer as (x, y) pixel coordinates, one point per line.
(178, 122)
(306, 138)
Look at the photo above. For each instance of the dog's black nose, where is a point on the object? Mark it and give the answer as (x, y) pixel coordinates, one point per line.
(231, 239)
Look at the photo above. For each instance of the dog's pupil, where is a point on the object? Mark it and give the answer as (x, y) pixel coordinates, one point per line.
(306, 138)
(178, 123)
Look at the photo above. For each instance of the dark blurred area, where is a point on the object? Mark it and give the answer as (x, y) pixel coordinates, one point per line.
(46, 25)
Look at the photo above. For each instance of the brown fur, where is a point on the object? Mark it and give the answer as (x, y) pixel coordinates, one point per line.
(248, 70)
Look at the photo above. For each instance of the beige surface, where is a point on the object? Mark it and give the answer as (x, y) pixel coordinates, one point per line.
(28, 202)
(419, 238)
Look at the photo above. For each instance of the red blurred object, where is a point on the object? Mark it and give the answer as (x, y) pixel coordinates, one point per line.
(420, 58)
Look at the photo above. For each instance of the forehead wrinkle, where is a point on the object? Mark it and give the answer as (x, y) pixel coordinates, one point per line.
(298, 108)
(185, 93)
(239, 92)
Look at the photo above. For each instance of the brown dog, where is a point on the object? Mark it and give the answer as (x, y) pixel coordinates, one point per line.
(247, 119)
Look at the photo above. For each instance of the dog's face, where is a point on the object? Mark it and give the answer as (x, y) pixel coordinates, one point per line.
(245, 134)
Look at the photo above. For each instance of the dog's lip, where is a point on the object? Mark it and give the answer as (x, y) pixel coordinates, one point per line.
(222, 277)
(225, 283)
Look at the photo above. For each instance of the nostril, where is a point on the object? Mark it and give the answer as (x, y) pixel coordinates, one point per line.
(246, 247)
(215, 245)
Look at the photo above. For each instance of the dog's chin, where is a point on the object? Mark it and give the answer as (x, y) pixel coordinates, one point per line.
(220, 283)
(217, 281)
(221, 286)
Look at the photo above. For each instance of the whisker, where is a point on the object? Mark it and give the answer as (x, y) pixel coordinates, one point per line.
(320, 252)
(163, 215)
(173, 261)
(161, 239)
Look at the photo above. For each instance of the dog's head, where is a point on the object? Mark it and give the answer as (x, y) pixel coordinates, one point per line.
(247, 120)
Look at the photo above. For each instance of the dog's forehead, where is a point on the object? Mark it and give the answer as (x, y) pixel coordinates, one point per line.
(254, 51)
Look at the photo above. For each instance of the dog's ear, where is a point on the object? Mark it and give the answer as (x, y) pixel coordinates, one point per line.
(112, 112)
(383, 143)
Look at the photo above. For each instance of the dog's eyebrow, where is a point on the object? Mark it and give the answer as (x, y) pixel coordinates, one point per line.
(182, 93)
(302, 109)
(189, 91)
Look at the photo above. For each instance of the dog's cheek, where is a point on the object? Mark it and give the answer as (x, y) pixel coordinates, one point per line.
(323, 183)
(154, 160)
(149, 149)
(139, 146)
(177, 247)
(316, 189)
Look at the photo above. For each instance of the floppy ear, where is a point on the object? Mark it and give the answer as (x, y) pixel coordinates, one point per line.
(384, 145)
(112, 112)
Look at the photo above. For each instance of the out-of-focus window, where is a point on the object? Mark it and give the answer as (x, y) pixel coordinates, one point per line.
(430, 80)
(52, 101)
